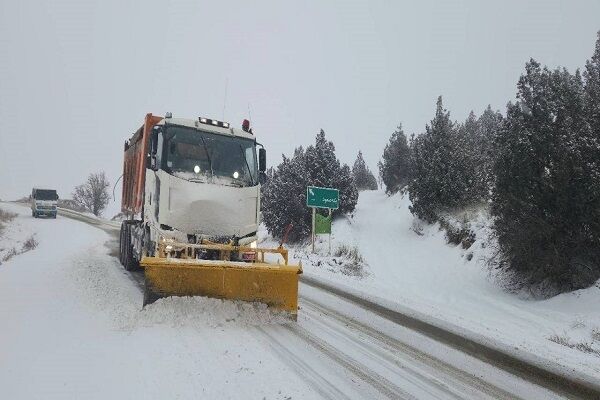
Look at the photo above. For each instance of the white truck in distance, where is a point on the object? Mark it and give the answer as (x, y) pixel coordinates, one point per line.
(43, 202)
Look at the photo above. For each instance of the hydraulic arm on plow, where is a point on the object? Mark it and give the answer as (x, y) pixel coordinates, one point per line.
(191, 192)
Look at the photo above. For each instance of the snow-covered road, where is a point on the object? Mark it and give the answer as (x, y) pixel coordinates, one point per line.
(73, 327)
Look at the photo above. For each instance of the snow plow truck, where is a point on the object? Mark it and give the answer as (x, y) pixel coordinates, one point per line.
(191, 200)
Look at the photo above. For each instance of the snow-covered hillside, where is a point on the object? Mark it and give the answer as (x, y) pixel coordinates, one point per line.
(421, 274)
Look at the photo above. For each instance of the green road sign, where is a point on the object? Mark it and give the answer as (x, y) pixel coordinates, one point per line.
(322, 197)
(322, 224)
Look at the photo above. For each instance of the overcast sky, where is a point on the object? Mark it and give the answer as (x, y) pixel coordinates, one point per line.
(77, 77)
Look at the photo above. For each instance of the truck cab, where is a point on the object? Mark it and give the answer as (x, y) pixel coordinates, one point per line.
(190, 181)
(43, 202)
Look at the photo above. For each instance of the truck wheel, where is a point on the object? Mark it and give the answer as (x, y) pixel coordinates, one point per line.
(121, 242)
(129, 262)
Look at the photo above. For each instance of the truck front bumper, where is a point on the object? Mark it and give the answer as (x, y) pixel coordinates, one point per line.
(45, 213)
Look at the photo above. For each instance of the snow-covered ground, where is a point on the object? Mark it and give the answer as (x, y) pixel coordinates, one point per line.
(73, 327)
(15, 238)
(418, 273)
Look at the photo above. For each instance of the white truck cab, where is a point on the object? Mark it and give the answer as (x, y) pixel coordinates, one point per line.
(191, 181)
(43, 202)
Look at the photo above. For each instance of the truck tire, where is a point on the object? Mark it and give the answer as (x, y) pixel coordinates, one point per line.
(121, 240)
(129, 262)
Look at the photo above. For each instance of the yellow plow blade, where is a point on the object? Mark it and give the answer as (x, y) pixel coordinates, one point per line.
(273, 284)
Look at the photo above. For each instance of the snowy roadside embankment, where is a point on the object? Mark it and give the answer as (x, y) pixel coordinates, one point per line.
(15, 238)
(409, 266)
(73, 327)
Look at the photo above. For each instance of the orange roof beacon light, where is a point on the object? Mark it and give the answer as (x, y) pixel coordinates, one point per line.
(246, 126)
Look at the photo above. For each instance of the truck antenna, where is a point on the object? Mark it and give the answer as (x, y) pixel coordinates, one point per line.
(225, 99)
(249, 115)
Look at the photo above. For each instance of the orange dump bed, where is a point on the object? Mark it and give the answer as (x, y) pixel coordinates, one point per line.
(134, 166)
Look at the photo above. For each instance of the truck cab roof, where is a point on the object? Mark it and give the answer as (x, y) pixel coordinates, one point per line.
(196, 124)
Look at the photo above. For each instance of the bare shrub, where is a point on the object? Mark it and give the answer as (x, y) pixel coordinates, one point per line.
(596, 335)
(29, 244)
(583, 347)
(462, 235)
(93, 194)
(578, 323)
(562, 340)
(417, 226)
(354, 263)
(587, 348)
(7, 216)
(11, 253)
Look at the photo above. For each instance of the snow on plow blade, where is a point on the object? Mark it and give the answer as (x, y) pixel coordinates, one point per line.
(273, 284)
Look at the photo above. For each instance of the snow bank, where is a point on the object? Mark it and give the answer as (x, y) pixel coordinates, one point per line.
(15, 238)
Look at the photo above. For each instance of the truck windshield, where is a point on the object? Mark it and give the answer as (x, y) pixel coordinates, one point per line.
(205, 157)
(45, 195)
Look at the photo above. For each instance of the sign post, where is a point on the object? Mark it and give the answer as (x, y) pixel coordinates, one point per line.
(312, 235)
(318, 197)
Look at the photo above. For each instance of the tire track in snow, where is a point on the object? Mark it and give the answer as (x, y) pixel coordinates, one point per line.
(419, 369)
(561, 385)
(318, 382)
(381, 384)
(377, 381)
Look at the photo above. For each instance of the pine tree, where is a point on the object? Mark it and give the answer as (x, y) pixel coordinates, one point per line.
(546, 200)
(592, 89)
(324, 170)
(489, 125)
(394, 167)
(284, 199)
(441, 179)
(363, 177)
(474, 152)
(466, 147)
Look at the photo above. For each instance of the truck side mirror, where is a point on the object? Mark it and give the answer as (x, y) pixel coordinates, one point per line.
(262, 160)
(151, 161)
(262, 178)
(154, 140)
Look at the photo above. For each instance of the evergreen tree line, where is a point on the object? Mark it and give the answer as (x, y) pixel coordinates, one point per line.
(538, 167)
(284, 193)
(363, 177)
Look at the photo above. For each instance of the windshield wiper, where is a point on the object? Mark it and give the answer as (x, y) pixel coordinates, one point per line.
(207, 156)
(247, 165)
